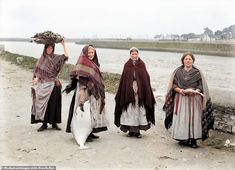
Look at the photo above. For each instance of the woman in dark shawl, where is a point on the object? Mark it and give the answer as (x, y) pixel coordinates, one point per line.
(188, 106)
(134, 110)
(46, 88)
(88, 84)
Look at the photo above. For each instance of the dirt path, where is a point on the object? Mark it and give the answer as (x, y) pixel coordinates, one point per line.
(21, 144)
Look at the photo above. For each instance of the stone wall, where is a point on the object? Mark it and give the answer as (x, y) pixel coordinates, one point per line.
(224, 118)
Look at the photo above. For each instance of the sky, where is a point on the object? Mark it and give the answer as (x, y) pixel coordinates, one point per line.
(113, 18)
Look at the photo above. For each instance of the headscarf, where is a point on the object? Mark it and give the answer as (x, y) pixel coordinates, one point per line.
(48, 66)
(87, 72)
(134, 49)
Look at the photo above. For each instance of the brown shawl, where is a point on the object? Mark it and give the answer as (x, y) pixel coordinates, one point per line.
(125, 93)
(87, 72)
(177, 80)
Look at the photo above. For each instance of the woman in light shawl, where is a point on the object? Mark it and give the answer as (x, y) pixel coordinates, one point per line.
(88, 84)
(134, 110)
(188, 106)
(46, 88)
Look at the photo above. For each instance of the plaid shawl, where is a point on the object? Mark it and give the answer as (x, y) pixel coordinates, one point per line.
(49, 66)
(87, 72)
(207, 115)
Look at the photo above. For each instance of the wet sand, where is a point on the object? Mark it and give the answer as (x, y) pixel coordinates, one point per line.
(21, 144)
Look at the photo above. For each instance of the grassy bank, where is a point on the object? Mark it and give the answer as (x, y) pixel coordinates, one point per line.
(223, 114)
(206, 48)
(111, 80)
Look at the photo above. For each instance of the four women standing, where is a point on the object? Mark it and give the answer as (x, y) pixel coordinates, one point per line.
(188, 106)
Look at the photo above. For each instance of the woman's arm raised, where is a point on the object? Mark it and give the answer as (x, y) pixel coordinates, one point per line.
(65, 48)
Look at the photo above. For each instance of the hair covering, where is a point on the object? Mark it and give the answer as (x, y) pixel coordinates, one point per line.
(49, 66)
(87, 72)
(134, 49)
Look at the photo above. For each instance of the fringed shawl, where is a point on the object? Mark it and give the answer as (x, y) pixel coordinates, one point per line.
(87, 72)
(49, 66)
(46, 69)
(125, 93)
(207, 116)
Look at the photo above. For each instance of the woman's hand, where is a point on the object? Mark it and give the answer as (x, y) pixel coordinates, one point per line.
(58, 84)
(81, 99)
(198, 90)
(63, 42)
(181, 91)
(35, 81)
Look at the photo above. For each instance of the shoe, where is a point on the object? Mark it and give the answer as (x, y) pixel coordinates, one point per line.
(68, 130)
(194, 146)
(56, 127)
(89, 139)
(131, 134)
(92, 136)
(193, 143)
(138, 135)
(42, 128)
(184, 142)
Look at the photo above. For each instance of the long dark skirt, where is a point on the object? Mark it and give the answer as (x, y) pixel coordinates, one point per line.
(135, 129)
(53, 111)
(70, 116)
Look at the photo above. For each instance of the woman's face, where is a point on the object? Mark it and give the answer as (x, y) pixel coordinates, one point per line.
(134, 55)
(49, 50)
(91, 53)
(188, 61)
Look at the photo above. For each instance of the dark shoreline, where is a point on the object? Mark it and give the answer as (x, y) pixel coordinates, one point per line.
(203, 48)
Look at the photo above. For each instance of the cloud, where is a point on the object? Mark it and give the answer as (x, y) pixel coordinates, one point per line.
(115, 18)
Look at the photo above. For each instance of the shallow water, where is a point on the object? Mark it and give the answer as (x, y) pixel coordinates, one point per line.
(219, 71)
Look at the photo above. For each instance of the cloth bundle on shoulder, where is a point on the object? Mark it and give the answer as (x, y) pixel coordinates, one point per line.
(47, 37)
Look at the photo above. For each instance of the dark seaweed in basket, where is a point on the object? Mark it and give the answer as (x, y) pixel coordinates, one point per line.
(47, 37)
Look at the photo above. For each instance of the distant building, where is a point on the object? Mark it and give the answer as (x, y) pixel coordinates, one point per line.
(175, 37)
(206, 37)
(227, 35)
(170, 37)
(183, 37)
(159, 37)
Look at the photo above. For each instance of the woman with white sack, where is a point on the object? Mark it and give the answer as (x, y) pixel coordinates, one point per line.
(89, 91)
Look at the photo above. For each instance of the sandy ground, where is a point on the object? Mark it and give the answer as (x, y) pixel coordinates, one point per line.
(21, 144)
